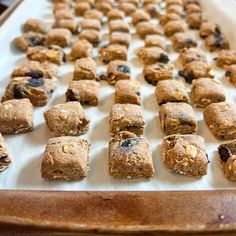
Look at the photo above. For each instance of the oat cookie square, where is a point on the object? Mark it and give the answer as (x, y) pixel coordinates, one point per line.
(67, 119)
(128, 92)
(130, 157)
(84, 91)
(177, 118)
(120, 38)
(154, 40)
(37, 90)
(91, 35)
(34, 25)
(231, 74)
(191, 54)
(118, 26)
(226, 58)
(140, 16)
(173, 27)
(147, 28)
(216, 42)
(158, 72)
(66, 158)
(80, 49)
(126, 117)
(16, 116)
(227, 154)
(90, 24)
(85, 69)
(118, 70)
(185, 154)
(115, 14)
(60, 37)
(113, 52)
(221, 120)
(206, 91)
(171, 91)
(71, 25)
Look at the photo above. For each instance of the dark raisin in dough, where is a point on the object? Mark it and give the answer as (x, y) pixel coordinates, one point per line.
(18, 93)
(129, 143)
(123, 69)
(34, 74)
(225, 153)
(35, 82)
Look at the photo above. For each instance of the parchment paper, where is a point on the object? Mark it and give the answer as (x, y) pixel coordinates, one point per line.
(27, 149)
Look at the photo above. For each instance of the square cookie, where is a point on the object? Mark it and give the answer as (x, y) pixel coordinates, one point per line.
(185, 154)
(118, 70)
(231, 74)
(152, 55)
(120, 38)
(66, 158)
(126, 117)
(16, 116)
(226, 58)
(227, 153)
(127, 92)
(130, 157)
(195, 70)
(171, 91)
(177, 118)
(71, 25)
(206, 91)
(5, 159)
(37, 90)
(52, 54)
(91, 35)
(221, 120)
(84, 91)
(80, 49)
(113, 52)
(68, 119)
(157, 72)
(60, 37)
(85, 69)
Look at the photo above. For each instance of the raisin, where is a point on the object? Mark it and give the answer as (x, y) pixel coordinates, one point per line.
(34, 74)
(35, 82)
(217, 30)
(70, 96)
(163, 58)
(123, 69)
(18, 93)
(218, 40)
(33, 41)
(225, 153)
(227, 73)
(129, 143)
(138, 93)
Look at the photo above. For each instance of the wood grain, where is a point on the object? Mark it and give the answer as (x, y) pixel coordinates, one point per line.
(118, 212)
(9, 11)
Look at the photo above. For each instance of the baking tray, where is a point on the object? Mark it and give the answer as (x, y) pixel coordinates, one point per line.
(112, 212)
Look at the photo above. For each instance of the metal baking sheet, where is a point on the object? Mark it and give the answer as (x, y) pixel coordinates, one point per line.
(27, 149)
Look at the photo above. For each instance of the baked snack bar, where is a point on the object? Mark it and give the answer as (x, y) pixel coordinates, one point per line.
(27, 40)
(177, 118)
(37, 90)
(84, 91)
(180, 41)
(154, 40)
(51, 54)
(113, 52)
(173, 27)
(66, 158)
(127, 92)
(115, 14)
(216, 42)
(126, 117)
(70, 25)
(118, 26)
(60, 37)
(68, 119)
(5, 159)
(130, 156)
(226, 58)
(227, 153)
(185, 154)
(206, 91)
(191, 54)
(90, 24)
(36, 70)
(146, 28)
(91, 35)
(209, 28)
(120, 38)
(157, 72)
(85, 69)
(221, 120)
(171, 91)
(152, 55)
(118, 70)
(80, 49)
(34, 25)
(140, 16)
(16, 116)
(195, 70)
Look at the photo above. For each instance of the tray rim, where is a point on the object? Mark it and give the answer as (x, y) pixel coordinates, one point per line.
(13, 222)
